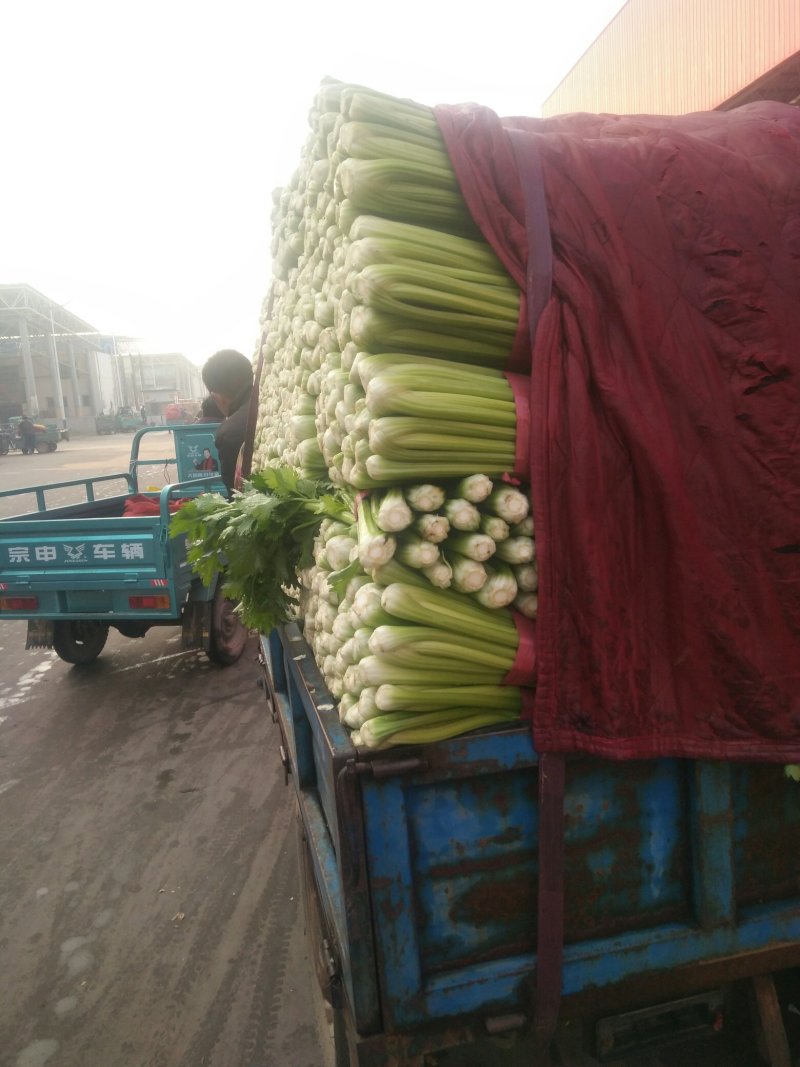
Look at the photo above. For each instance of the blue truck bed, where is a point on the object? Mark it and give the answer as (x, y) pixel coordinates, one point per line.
(680, 875)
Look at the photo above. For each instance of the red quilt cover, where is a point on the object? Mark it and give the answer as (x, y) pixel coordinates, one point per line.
(660, 262)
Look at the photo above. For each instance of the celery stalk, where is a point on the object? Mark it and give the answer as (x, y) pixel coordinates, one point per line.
(434, 698)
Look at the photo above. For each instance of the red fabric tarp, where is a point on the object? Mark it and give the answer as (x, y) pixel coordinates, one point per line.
(664, 418)
(139, 504)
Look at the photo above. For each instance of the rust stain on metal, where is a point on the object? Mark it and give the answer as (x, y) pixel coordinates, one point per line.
(482, 864)
(496, 901)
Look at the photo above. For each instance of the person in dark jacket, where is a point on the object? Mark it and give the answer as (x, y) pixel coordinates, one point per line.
(27, 433)
(228, 376)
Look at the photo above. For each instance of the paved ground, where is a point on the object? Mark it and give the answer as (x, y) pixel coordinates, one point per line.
(148, 883)
(149, 911)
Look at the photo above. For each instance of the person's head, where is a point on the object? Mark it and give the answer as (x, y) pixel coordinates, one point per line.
(206, 453)
(226, 375)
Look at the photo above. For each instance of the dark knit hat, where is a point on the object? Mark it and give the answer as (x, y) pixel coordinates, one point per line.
(228, 373)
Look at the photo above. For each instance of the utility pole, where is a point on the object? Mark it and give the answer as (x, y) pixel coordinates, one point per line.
(27, 361)
(58, 392)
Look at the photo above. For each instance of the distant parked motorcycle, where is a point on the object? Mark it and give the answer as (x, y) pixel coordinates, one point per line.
(6, 442)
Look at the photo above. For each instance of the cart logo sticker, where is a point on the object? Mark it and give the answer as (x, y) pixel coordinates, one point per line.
(198, 459)
(133, 550)
(80, 554)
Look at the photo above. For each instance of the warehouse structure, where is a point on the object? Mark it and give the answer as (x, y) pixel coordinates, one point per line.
(154, 380)
(55, 365)
(49, 364)
(686, 55)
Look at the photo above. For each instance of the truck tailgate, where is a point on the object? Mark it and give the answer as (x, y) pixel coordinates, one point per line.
(679, 874)
(80, 566)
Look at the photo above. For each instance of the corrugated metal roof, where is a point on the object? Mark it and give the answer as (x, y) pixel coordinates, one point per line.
(675, 56)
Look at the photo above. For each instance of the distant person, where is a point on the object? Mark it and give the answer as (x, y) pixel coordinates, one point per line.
(209, 412)
(143, 414)
(207, 463)
(27, 434)
(228, 376)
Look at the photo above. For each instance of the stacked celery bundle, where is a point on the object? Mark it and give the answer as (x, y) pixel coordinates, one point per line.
(390, 322)
(451, 537)
(407, 663)
(371, 259)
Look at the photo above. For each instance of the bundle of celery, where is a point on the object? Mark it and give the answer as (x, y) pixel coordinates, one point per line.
(351, 280)
(405, 417)
(450, 535)
(407, 663)
(389, 325)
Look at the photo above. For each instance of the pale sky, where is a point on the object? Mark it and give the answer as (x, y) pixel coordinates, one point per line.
(142, 141)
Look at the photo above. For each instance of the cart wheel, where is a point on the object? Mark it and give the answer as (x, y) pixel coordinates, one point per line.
(228, 632)
(79, 640)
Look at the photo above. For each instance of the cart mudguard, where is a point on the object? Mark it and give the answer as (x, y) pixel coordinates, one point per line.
(40, 633)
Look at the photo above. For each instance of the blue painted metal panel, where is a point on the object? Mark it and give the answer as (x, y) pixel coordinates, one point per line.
(454, 868)
(712, 844)
(328, 795)
(62, 560)
(658, 857)
(328, 880)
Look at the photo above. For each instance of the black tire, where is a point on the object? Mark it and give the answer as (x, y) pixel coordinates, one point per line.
(228, 632)
(79, 641)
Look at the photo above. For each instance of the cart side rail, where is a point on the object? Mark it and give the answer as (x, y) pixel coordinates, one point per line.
(87, 484)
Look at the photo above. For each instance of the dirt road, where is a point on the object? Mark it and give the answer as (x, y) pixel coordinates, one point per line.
(148, 886)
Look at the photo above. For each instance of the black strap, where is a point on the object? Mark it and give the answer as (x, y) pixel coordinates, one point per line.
(550, 917)
(550, 912)
(252, 413)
